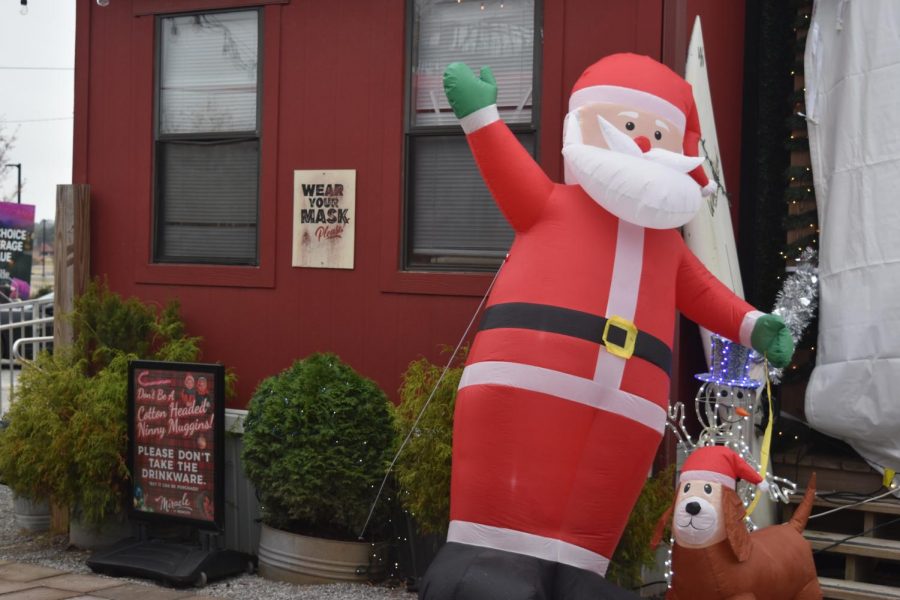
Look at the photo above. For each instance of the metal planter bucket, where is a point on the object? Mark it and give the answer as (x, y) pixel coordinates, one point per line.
(302, 559)
(30, 515)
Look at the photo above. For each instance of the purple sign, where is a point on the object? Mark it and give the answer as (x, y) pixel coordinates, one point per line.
(16, 242)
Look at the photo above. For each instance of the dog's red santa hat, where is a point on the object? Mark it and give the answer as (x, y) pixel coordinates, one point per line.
(647, 85)
(719, 464)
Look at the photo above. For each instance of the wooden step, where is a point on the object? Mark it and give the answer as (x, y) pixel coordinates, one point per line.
(838, 589)
(886, 505)
(857, 546)
(833, 472)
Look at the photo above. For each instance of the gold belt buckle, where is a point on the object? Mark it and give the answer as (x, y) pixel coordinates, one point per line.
(626, 350)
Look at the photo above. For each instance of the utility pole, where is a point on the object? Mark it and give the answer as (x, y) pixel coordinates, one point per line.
(44, 249)
(18, 166)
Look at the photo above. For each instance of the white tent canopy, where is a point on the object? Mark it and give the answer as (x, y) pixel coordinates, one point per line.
(852, 74)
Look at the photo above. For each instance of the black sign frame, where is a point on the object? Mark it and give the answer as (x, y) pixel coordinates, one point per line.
(214, 372)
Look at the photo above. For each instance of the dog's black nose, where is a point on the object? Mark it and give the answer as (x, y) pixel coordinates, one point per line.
(692, 508)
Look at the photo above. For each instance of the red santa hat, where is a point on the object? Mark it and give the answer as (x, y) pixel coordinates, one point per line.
(647, 85)
(719, 464)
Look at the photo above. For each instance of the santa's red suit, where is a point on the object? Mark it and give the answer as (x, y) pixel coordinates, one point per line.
(554, 433)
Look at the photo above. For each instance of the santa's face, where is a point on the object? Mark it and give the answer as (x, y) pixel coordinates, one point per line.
(658, 132)
(630, 162)
(698, 519)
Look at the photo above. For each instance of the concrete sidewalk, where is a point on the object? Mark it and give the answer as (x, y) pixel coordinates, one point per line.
(20, 581)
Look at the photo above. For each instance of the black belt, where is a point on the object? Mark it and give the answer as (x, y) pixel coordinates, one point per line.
(574, 323)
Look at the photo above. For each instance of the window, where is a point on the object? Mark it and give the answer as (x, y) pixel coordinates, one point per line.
(452, 222)
(207, 139)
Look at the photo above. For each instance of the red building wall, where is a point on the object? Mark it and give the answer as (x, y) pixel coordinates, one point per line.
(334, 77)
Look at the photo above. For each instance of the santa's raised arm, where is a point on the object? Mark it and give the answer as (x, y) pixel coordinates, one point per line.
(563, 400)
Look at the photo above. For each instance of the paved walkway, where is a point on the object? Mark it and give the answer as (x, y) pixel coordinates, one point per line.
(19, 581)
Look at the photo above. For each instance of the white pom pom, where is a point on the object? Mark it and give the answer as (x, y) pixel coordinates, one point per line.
(709, 189)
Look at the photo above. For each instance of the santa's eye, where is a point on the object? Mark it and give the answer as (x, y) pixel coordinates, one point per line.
(658, 135)
(707, 488)
(629, 126)
(687, 487)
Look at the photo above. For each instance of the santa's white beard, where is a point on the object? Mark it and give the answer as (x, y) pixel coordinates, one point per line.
(632, 188)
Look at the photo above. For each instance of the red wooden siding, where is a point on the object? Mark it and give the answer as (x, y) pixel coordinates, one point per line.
(332, 99)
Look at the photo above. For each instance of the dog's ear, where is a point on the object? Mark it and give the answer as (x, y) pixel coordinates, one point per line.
(738, 536)
(661, 526)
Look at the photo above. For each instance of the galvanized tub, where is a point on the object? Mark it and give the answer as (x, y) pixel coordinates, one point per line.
(30, 515)
(302, 559)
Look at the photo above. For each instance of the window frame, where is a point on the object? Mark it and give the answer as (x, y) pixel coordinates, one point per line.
(144, 43)
(160, 139)
(140, 8)
(411, 131)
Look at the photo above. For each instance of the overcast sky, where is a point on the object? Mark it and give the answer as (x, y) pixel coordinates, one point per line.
(37, 56)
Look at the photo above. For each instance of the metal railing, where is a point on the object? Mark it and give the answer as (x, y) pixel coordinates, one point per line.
(26, 329)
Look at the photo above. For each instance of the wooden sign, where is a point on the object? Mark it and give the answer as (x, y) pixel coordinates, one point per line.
(176, 414)
(324, 219)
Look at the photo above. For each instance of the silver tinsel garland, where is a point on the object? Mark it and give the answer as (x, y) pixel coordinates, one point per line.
(797, 301)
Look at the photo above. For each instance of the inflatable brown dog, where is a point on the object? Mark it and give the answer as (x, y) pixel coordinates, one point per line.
(715, 557)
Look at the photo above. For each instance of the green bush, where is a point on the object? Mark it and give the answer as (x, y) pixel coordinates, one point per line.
(67, 432)
(634, 551)
(423, 468)
(317, 442)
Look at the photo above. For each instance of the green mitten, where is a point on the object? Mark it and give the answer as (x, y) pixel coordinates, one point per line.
(771, 337)
(466, 92)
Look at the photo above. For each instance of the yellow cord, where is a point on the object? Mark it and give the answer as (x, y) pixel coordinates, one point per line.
(766, 443)
(888, 478)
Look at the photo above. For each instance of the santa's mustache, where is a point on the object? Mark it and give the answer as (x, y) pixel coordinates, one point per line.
(618, 141)
(634, 189)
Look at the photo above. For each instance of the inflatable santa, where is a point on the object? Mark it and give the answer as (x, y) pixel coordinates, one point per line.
(563, 400)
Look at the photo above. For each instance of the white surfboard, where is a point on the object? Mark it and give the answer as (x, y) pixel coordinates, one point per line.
(710, 234)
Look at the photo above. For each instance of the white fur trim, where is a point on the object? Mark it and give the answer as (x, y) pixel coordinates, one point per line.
(709, 189)
(747, 326)
(763, 486)
(567, 387)
(643, 101)
(480, 118)
(711, 476)
(529, 544)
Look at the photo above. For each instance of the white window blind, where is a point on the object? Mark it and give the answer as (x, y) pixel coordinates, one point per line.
(208, 72)
(207, 145)
(452, 222)
(454, 218)
(208, 201)
(495, 33)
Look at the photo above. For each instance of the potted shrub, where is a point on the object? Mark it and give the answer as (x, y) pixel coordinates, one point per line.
(317, 442)
(29, 515)
(423, 468)
(66, 439)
